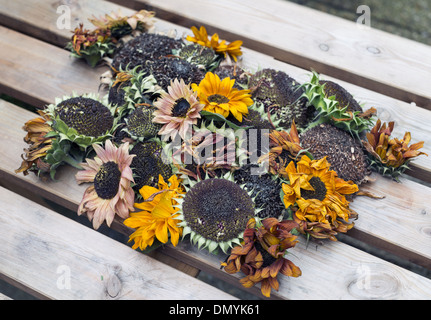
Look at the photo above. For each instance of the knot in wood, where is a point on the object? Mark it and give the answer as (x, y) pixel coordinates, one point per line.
(113, 286)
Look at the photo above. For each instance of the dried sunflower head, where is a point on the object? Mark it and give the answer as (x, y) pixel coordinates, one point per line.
(317, 198)
(165, 69)
(344, 153)
(262, 255)
(92, 45)
(390, 157)
(130, 88)
(233, 71)
(203, 57)
(143, 48)
(149, 163)
(344, 98)
(233, 49)
(281, 95)
(140, 125)
(46, 152)
(120, 25)
(284, 147)
(214, 212)
(264, 187)
(336, 106)
(83, 120)
(209, 151)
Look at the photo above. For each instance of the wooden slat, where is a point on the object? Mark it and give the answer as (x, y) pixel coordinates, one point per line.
(332, 271)
(39, 19)
(305, 37)
(76, 262)
(24, 63)
(67, 191)
(4, 297)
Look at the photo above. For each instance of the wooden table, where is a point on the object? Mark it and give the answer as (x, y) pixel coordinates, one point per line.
(41, 248)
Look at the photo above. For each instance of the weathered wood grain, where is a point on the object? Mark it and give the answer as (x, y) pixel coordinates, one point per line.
(305, 37)
(45, 20)
(38, 74)
(332, 271)
(62, 259)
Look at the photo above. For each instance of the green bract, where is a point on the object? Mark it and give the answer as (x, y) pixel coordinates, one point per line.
(94, 53)
(83, 120)
(330, 110)
(140, 89)
(61, 152)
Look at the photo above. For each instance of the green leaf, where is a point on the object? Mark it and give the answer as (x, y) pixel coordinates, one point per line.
(218, 117)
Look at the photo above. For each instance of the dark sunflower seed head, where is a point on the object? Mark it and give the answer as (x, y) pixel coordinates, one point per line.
(149, 163)
(140, 122)
(87, 116)
(217, 209)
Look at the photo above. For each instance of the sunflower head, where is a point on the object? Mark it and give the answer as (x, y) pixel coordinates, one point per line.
(219, 96)
(215, 212)
(317, 197)
(167, 68)
(120, 25)
(177, 110)
(343, 152)
(343, 113)
(158, 218)
(110, 175)
(262, 256)
(390, 156)
(46, 150)
(344, 98)
(83, 120)
(92, 45)
(264, 188)
(203, 57)
(233, 71)
(209, 151)
(140, 125)
(149, 164)
(131, 88)
(284, 147)
(200, 36)
(281, 96)
(143, 48)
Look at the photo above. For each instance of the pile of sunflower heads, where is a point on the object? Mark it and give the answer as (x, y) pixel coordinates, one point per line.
(188, 144)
